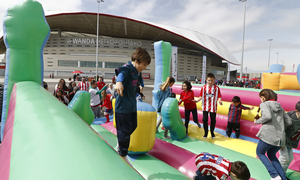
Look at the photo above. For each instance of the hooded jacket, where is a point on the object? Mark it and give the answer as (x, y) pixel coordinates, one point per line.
(293, 131)
(274, 121)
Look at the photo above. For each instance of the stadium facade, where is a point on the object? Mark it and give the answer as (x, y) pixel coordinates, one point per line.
(72, 46)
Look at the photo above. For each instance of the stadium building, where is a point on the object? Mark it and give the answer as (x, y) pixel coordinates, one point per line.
(72, 46)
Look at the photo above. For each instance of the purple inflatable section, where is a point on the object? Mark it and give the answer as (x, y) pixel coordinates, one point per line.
(288, 102)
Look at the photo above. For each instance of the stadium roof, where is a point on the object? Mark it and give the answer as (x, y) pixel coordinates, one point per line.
(122, 27)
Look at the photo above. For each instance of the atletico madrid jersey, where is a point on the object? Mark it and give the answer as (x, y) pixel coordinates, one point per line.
(211, 164)
(210, 95)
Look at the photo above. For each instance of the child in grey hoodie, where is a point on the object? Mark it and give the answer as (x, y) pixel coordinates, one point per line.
(272, 133)
(292, 139)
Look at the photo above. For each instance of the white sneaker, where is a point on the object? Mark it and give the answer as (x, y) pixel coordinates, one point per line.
(276, 178)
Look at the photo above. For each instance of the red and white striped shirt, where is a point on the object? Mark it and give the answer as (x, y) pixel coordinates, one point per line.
(84, 86)
(210, 95)
(211, 164)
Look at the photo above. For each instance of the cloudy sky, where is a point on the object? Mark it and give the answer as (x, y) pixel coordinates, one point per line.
(222, 19)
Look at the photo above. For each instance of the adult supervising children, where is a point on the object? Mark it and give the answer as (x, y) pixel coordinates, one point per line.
(210, 95)
(128, 77)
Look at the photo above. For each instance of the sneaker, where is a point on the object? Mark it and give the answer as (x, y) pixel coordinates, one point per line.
(199, 126)
(213, 135)
(162, 128)
(276, 178)
(204, 137)
(167, 137)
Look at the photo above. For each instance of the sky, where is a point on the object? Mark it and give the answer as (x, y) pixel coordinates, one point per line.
(222, 19)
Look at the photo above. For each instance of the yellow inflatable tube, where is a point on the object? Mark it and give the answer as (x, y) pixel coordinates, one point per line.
(143, 138)
(224, 109)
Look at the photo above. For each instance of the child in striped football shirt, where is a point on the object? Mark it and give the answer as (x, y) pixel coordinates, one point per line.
(210, 95)
(214, 167)
(234, 116)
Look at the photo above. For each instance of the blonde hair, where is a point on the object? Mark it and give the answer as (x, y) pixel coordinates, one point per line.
(167, 83)
(104, 94)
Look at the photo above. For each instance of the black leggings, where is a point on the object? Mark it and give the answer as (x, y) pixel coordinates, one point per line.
(187, 117)
(212, 123)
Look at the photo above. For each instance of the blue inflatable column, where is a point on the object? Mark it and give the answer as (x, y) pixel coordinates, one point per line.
(163, 52)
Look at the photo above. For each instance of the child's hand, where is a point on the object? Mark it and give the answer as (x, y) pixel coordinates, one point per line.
(196, 100)
(221, 103)
(119, 88)
(251, 108)
(180, 101)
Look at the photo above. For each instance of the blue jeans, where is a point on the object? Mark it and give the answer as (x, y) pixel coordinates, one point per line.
(200, 176)
(271, 162)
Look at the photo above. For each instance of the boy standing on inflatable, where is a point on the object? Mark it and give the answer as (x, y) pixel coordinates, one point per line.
(234, 116)
(211, 167)
(128, 77)
(210, 95)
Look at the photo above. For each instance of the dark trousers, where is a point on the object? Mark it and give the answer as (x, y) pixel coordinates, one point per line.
(233, 126)
(126, 124)
(187, 117)
(200, 176)
(212, 123)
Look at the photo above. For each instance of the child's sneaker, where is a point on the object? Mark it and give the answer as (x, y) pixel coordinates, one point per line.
(167, 137)
(162, 128)
(276, 178)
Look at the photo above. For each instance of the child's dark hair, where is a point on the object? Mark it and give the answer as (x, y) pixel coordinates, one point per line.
(168, 81)
(141, 55)
(236, 99)
(45, 85)
(93, 82)
(241, 170)
(188, 85)
(297, 108)
(268, 94)
(210, 75)
(173, 95)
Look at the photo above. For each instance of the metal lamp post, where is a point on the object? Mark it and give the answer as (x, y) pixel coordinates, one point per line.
(98, 1)
(269, 52)
(277, 57)
(241, 74)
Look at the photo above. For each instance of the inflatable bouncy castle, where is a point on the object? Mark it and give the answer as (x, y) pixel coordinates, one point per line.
(44, 139)
(277, 80)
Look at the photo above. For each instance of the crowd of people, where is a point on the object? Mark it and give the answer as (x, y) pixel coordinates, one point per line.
(235, 83)
(100, 103)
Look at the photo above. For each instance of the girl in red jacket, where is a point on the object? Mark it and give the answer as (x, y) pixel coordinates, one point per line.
(107, 104)
(187, 96)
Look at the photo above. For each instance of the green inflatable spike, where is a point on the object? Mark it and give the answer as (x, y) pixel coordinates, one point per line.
(166, 56)
(80, 104)
(25, 35)
(172, 120)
